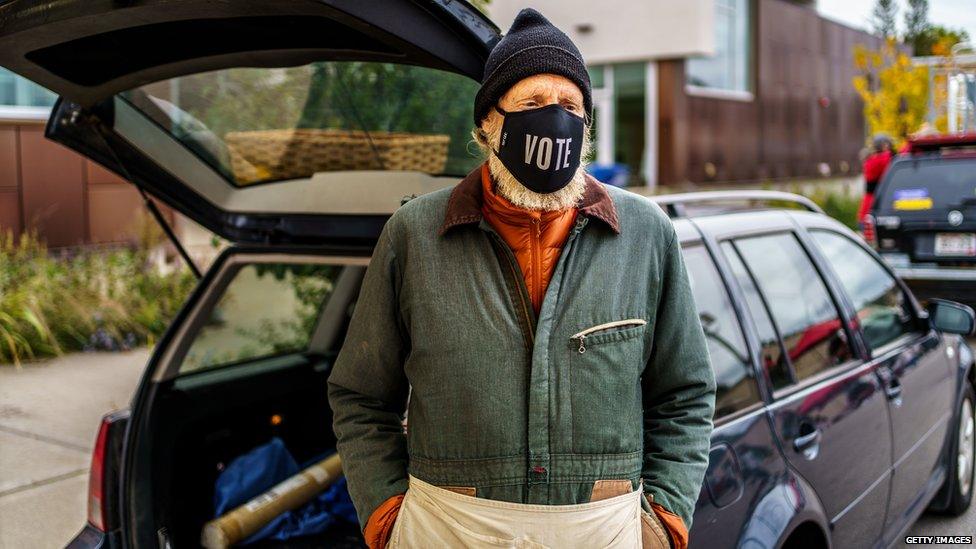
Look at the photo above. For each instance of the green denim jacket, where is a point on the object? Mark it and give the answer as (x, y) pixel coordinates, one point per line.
(511, 404)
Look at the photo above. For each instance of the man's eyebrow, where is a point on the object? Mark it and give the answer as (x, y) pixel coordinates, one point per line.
(536, 96)
(570, 98)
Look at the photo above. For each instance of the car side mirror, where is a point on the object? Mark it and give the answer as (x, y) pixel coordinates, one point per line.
(951, 317)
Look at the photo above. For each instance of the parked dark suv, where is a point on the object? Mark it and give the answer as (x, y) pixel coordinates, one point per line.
(843, 408)
(924, 216)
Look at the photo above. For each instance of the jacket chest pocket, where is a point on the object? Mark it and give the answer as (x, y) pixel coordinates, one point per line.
(605, 365)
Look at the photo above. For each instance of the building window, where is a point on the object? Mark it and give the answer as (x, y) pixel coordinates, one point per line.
(619, 113)
(629, 93)
(596, 76)
(16, 91)
(729, 69)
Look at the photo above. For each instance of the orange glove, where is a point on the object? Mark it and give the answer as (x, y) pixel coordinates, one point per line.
(674, 524)
(380, 523)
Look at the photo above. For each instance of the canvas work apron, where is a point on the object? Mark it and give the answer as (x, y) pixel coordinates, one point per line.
(435, 517)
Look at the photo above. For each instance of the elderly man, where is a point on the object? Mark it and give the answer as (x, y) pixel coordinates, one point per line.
(541, 330)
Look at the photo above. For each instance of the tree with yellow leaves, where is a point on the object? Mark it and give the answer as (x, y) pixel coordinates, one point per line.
(895, 92)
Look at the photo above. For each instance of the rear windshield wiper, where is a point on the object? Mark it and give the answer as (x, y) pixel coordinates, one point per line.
(967, 201)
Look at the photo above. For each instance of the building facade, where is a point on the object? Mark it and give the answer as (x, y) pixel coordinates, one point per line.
(713, 91)
(689, 92)
(67, 199)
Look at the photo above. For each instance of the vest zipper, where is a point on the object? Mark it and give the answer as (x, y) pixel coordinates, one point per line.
(581, 336)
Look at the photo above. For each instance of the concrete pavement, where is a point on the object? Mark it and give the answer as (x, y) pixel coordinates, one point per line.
(49, 415)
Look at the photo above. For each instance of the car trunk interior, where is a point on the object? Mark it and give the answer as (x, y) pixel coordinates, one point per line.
(197, 410)
(197, 423)
(201, 424)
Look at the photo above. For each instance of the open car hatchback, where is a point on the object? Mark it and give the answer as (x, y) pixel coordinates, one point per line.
(291, 128)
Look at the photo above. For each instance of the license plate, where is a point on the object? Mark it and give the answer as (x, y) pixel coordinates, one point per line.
(955, 244)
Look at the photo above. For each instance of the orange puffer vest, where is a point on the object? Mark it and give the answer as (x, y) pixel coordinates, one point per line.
(535, 237)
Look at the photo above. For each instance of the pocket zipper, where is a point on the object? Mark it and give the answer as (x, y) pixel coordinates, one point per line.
(581, 336)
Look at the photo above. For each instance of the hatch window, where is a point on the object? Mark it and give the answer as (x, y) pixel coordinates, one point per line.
(259, 125)
(928, 185)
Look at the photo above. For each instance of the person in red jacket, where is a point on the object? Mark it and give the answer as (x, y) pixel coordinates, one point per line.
(874, 168)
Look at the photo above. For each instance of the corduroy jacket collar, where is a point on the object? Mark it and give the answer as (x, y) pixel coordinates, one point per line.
(464, 206)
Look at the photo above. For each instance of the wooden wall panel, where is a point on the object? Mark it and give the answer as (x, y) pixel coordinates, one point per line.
(805, 111)
(53, 183)
(97, 175)
(673, 133)
(68, 199)
(10, 210)
(114, 206)
(113, 210)
(8, 157)
(9, 180)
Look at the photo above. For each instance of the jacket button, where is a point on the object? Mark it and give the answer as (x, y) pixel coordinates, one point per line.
(538, 475)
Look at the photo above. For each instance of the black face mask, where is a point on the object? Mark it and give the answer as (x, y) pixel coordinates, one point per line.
(541, 147)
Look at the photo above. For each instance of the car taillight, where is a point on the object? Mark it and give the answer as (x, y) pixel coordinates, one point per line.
(96, 484)
(103, 475)
(869, 233)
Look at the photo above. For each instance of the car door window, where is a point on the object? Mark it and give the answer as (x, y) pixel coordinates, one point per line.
(734, 377)
(267, 309)
(773, 357)
(883, 310)
(798, 301)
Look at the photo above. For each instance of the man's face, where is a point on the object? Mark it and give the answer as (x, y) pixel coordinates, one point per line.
(542, 90)
(534, 92)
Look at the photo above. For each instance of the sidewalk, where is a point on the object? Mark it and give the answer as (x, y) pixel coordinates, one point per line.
(49, 416)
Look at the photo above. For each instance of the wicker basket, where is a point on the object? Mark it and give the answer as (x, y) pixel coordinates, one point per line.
(287, 154)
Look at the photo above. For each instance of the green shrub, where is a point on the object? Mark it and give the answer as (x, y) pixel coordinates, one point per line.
(840, 206)
(93, 300)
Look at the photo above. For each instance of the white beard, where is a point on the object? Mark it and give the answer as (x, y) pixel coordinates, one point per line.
(517, 193)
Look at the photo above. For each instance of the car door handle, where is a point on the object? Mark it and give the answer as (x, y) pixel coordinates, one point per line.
(808, 443)
(893, 389)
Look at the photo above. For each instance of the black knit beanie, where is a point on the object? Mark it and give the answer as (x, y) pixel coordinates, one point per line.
(532, 46)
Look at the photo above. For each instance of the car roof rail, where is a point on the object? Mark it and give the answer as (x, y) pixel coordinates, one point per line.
(676, 205)
(939, 142)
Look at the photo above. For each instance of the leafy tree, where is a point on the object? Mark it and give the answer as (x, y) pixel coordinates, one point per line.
(883, 18)
(937, 40)
(895, 92)
(481, 5)
(916, 20)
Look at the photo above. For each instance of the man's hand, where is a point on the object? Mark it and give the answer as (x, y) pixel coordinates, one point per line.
(653, 533)
(380, 523)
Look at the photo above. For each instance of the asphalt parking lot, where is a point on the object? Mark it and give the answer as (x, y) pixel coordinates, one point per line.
(49, 415)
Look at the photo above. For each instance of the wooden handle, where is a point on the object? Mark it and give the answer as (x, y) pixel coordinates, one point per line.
(236, 525)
